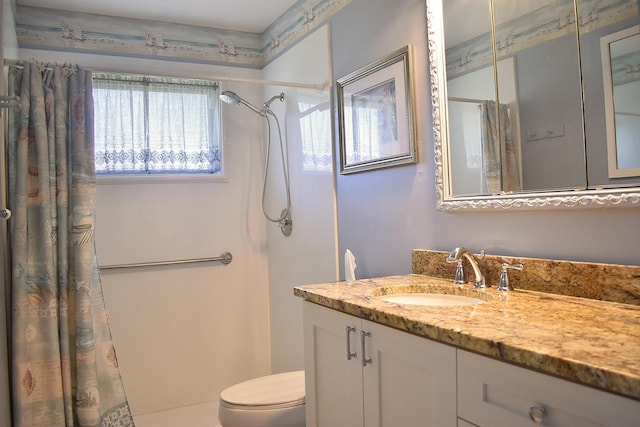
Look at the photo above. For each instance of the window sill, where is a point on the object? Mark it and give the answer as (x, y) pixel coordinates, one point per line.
(159, 179)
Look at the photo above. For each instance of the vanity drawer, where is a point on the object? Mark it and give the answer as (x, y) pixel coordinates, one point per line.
(492, 393)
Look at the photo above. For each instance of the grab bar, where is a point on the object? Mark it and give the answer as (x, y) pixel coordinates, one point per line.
(225, 258)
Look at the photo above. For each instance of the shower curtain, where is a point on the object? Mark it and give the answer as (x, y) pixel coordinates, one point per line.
(500, 167)
(64, 368)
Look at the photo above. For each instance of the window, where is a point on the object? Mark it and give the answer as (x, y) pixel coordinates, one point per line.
(156, 125)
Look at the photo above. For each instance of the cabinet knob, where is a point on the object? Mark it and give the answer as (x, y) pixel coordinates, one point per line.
(537, 413)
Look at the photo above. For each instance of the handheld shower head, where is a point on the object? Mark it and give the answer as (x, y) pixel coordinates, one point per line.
(233, 99)
(284, 220)
(230, 97)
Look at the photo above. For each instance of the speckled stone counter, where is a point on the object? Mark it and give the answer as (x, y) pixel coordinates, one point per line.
(595, 343)
(607, 282)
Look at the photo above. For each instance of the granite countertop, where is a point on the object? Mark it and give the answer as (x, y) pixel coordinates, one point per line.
(591, 342)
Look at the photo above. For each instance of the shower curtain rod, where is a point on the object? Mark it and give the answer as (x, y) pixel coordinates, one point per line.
(316, 86)
(469, 100)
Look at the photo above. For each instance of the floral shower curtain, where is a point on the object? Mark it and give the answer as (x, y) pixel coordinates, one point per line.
(63, 364)
(500, 153)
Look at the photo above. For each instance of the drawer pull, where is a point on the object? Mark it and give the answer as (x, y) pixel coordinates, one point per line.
(365, 360)
(350, 354)
(537, 413)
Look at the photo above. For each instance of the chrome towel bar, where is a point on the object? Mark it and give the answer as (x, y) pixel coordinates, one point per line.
(225, 258)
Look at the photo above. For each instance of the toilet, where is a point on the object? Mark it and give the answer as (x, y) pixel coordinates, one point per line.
(272, 401)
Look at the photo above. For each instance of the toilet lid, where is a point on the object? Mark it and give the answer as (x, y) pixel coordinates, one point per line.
(272, 390)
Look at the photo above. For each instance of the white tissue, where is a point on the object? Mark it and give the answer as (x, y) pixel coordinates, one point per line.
(349, 266)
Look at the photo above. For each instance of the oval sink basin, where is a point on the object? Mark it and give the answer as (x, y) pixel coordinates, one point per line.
(432, 300)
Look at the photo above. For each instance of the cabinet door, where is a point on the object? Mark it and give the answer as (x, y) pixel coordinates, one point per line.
(410, 382)
(492, 393)
(333, 383)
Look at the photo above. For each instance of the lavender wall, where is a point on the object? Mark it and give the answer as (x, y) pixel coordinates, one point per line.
(384, 214)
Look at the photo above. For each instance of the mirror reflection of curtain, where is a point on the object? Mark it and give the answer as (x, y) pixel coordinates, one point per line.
(500, 169)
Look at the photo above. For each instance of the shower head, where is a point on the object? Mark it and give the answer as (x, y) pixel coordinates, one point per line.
(233, 98)
(230, 97)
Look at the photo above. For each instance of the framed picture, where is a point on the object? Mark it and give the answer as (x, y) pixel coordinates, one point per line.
(376, 115)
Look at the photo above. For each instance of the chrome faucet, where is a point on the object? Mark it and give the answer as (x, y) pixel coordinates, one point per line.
(456, 256)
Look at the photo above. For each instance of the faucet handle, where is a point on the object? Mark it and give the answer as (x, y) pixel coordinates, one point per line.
(504, 276)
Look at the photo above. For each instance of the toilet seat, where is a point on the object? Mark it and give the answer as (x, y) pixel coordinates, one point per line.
(273, 400)
(269, 392)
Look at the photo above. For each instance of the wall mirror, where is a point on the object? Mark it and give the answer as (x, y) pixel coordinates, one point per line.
(509, 82)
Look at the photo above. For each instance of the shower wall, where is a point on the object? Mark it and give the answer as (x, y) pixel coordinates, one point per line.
(184, 333)
(309, 254)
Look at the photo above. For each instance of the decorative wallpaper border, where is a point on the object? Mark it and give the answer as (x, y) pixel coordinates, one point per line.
(547, 23)
(51, 29)
(626, 68)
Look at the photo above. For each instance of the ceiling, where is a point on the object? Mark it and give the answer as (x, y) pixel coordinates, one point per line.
(252, 16)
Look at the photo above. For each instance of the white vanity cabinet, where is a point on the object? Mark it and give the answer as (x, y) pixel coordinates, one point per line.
(494, 393)
(359, 373)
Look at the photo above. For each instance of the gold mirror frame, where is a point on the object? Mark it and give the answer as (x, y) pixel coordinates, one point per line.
(588, 198)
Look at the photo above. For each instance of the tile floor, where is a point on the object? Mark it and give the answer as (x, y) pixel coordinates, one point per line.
(202, 415)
